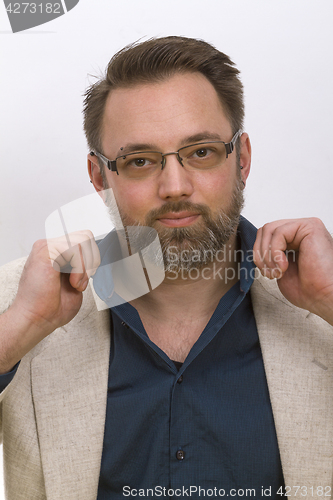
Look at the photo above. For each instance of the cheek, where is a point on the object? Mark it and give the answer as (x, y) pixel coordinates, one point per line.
(134, 200)
(216, 184)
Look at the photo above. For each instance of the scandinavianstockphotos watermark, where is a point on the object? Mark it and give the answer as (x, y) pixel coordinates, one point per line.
(25, 15)
(225, 264)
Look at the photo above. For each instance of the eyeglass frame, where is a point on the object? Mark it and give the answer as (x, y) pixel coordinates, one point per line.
(112, 164)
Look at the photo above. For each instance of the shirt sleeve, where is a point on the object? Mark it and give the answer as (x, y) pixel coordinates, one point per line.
(6, 378)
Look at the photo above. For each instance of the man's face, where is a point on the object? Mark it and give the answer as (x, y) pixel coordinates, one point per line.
(191, 210)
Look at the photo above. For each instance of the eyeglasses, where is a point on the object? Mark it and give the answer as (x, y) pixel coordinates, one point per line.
(142, 164)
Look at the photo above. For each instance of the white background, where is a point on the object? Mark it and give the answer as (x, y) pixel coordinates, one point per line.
(283, 48)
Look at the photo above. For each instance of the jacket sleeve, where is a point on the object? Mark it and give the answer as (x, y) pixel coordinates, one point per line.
(9, 279)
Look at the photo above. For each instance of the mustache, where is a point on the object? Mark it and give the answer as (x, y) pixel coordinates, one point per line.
(177, 206)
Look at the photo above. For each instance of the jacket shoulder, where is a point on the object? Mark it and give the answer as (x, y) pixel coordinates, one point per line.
(272, 309)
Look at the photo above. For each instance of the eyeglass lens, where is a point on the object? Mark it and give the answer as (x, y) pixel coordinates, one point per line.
(194, 157)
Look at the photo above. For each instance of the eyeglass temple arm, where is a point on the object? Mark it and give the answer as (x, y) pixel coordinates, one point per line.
(229, 146)
(111, 164)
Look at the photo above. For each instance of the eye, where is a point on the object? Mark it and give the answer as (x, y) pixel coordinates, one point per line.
(140, 162)
(204, 155)
(202, 152)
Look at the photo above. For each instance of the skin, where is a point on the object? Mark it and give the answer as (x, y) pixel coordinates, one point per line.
(306, 282)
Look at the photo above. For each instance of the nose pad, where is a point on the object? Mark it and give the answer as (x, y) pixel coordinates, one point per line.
(180, 160)
(168, 154)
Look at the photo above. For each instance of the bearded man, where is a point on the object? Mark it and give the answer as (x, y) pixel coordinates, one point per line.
(218, 381)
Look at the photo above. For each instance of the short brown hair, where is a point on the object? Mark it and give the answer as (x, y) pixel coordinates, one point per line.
(155, 60)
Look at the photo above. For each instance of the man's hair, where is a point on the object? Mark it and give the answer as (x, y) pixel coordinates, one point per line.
(156, 60)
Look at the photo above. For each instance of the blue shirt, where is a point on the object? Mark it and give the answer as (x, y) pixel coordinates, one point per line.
(208, 425)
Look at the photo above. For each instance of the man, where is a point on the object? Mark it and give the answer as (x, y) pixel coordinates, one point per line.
(180, 400)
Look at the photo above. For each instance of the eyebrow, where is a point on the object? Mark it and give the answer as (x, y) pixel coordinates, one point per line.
(202, 136)
(136, 147)
(191, 139)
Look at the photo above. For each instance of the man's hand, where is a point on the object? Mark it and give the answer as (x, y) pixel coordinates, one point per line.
(47, 298)
(299, 253)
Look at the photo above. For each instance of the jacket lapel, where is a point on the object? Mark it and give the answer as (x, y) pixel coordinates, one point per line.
(298, 354)
(69, 385)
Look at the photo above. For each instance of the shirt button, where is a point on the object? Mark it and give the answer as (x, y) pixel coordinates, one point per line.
(180, 380)
(180, 455)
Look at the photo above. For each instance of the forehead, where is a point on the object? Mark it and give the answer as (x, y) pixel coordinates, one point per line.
(163, 113)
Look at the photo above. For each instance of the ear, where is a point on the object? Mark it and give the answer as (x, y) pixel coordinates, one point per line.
(94, 172)
(245, 156)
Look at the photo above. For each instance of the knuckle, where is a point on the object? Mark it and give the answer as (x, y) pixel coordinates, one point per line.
(39, 247)
(39, 244)
(316, 221)
(85, 235)
(89, 234)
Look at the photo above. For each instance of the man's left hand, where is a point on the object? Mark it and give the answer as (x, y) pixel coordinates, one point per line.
(299, 253)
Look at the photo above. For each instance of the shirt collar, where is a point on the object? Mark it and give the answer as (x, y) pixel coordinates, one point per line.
(246, 233)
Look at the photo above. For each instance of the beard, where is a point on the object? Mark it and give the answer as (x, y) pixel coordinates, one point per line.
(190, 247)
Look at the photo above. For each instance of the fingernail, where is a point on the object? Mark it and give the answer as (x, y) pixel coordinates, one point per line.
(84, 284)
(277, 273)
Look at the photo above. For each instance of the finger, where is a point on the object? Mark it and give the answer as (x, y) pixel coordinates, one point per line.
(89, 257)
(61, 251)
(284, 247)
(273, 246)
(269, 260)
(68, 257)
(261, 251)
(257, 256)
(257, 253)
(78, 260)
(65, 250)
(77, 254)
(85, 262)
(93, 260)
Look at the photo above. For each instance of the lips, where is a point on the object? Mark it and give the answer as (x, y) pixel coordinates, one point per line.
(178, 219)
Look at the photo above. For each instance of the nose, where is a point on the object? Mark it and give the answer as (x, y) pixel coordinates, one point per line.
(175, 182)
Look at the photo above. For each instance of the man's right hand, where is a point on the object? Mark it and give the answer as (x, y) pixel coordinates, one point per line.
(47, 298)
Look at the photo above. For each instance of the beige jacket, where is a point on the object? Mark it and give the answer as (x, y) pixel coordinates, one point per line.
(53, 412)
